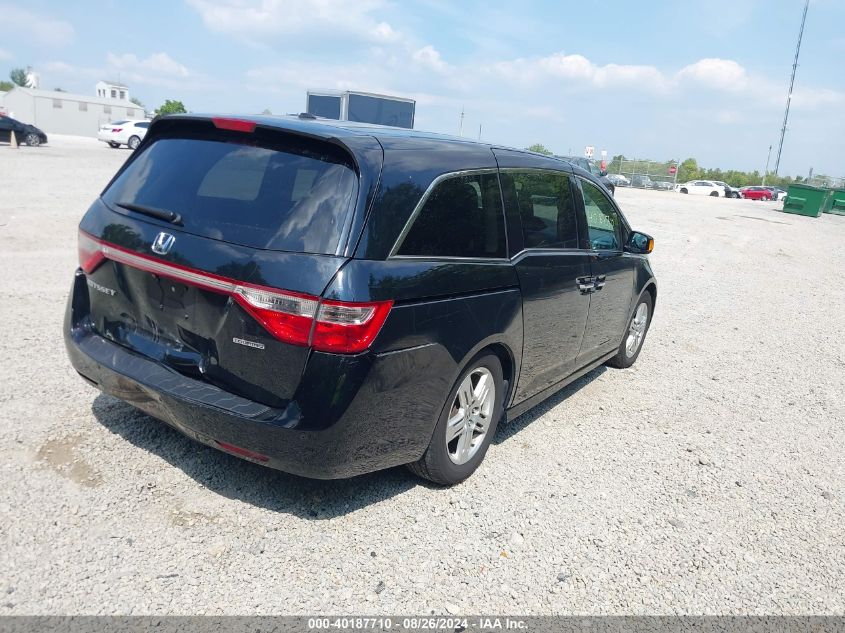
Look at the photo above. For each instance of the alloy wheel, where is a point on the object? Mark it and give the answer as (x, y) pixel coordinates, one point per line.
(470, 415)
(636, 332)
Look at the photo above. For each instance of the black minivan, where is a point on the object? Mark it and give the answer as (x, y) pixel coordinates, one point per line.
(329, 298)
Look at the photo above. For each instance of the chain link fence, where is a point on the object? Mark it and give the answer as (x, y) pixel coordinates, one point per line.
(829, 182)
(643, 173)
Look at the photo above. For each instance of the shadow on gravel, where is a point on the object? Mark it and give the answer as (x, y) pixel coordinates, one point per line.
(272, 489)
(238, 479)
(506, 431)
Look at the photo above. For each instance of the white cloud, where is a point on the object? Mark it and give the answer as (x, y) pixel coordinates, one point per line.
(157, 63)
(4, 55)
(261, 19)
(580, 72)
(429, 57)
(44, 29)
(712, 72)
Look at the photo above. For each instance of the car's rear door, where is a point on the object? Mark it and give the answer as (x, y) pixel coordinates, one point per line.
(612, 272)
(553, 270)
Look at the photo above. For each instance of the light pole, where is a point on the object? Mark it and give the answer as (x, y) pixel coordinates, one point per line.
(766, 173)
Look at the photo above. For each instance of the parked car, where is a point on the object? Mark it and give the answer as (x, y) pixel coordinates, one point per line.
(756, 193)
(618, 180)
(701, 188)
(662, 185)
(642, 181)
(777, 193)
(124, 132)
(589, 166)
(25, 134)
(329, 299)
(730, 192)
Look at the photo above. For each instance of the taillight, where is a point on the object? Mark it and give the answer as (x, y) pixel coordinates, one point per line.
(90, 253)
(286, 316)
(348, 328)
(116, 129)
(340, 327)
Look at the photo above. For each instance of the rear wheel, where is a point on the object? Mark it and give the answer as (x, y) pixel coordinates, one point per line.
(714, 194)
(134, 142)
(32, 139)
(113, 144)
(632, 342)
(466, 425)
(684, 190)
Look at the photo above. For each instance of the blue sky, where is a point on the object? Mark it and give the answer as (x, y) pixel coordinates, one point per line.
(650, 79)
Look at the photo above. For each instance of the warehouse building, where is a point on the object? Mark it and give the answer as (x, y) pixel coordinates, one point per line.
(64, 112)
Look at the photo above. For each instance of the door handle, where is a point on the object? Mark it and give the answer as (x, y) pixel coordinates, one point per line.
(586, 284)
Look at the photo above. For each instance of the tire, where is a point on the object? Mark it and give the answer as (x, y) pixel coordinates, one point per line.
(32, 140)
(133, 142)
(625, 357)
(684, 190)
(114, 145)
(449, 459)
(714, 194)
(736, 195)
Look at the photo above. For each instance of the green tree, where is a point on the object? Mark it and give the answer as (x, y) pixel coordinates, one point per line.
(171, 107)
(18, 76)
(688, 170)
(138, 103)
(540, 149)
(6, 86)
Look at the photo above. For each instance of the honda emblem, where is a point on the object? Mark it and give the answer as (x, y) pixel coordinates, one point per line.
(163, 243)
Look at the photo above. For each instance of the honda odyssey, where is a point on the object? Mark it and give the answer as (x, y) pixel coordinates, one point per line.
(330, 298)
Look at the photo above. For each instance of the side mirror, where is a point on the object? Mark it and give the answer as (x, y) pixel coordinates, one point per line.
(640, 243)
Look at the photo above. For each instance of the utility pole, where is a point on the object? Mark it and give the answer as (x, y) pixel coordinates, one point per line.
(479, 131)
(766, 172)
(791, 84)
(461, 124)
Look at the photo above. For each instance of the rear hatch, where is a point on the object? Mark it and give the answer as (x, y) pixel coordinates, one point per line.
(209, 250)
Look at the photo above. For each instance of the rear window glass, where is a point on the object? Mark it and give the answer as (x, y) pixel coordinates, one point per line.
(283, 197)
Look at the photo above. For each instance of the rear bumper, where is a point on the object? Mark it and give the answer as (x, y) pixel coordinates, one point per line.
(376, 416)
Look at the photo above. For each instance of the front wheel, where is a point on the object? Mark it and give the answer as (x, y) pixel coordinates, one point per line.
(114, 145)
(466, 425)
(684, 190)
(632, 342)
(134, 142)
(32, 140)
(714, 194)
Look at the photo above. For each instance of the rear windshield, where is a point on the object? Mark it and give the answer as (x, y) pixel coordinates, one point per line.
(281, 196)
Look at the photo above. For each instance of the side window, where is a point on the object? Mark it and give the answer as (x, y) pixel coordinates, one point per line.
(546, 209)
(603, 222)
(462, 217)
(144, 125)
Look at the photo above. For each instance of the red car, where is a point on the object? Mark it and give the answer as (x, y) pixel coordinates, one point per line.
(755, 193)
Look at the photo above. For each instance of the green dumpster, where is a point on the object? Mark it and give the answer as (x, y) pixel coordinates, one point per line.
(805, 200)
(837, 202)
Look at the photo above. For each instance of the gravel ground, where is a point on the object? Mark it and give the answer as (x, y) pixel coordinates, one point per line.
(706, 479)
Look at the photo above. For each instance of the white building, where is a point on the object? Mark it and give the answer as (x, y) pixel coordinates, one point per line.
(112, 90)
(65, 112)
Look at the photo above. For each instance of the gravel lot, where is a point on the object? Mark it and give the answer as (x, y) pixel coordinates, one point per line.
(706, 479)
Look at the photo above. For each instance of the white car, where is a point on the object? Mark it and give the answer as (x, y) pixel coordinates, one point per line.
(124, 132)
(701, 188)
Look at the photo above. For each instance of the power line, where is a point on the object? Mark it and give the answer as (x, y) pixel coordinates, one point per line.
(791, 84)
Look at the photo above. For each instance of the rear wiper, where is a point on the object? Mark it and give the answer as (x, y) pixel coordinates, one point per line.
(161, 214)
